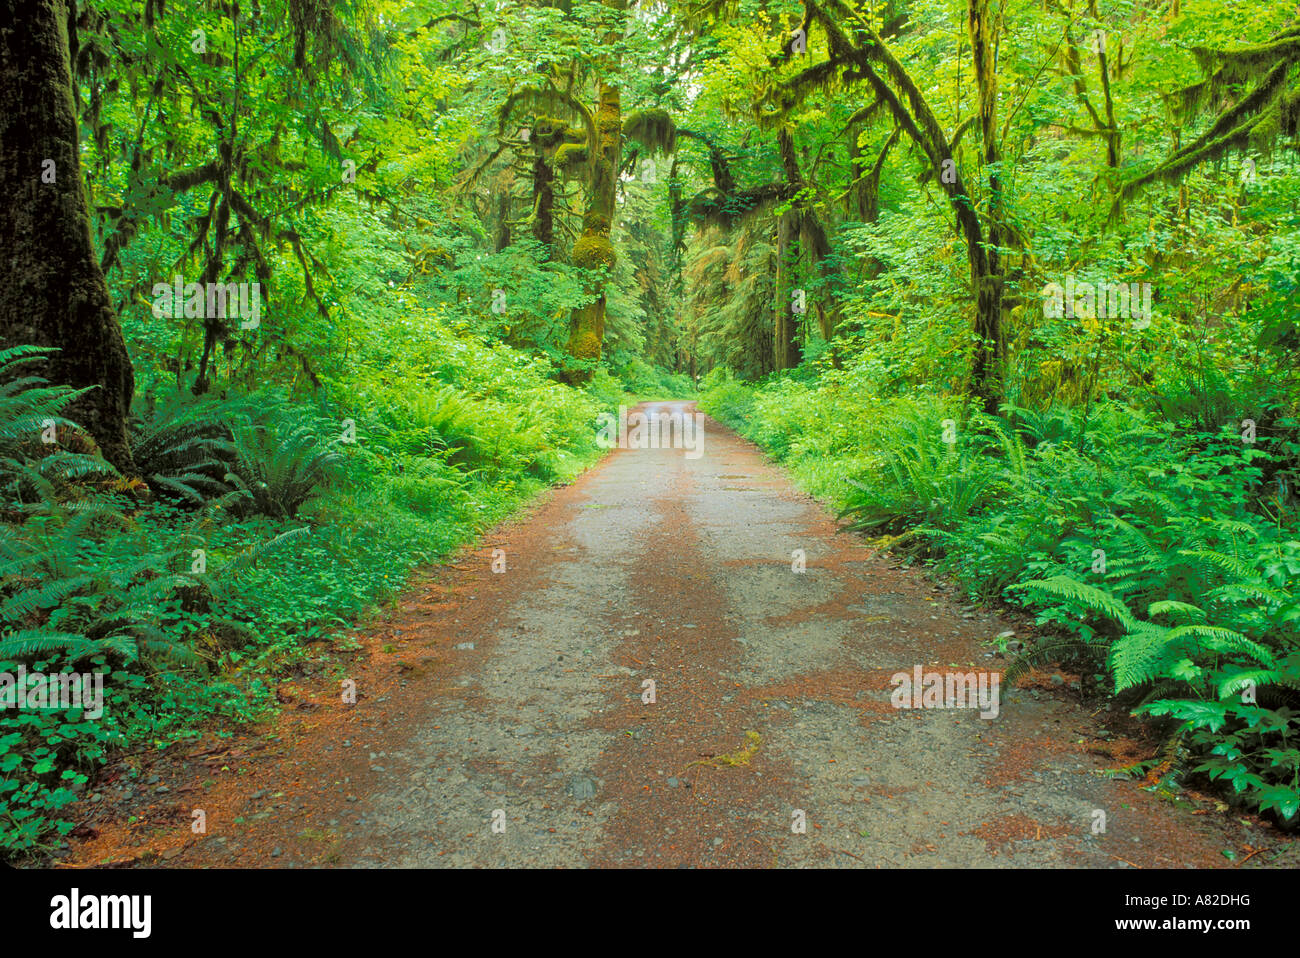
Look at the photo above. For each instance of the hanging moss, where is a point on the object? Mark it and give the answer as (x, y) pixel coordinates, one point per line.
(541, 103)
(1256, 120)
(549, 132)
(570, 156)
(1227, 68)
(712, 207)
(653, 129)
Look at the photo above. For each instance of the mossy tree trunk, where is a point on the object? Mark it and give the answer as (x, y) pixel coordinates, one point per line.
(544, 202)
(53, 291)
(785, 331)
(990, 346)
(875, 62)
(790, 229)
(593, 249)
(548, 136)
(503, 221)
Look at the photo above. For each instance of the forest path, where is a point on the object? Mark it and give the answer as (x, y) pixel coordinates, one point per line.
(515, 699)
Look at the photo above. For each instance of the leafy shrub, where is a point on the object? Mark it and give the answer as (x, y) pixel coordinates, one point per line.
(725, 398)
(606, 392)
(922, 480)
(650, 382)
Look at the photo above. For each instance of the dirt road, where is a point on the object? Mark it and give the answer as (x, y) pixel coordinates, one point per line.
(505, 719)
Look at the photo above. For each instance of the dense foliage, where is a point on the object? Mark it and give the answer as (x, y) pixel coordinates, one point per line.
(448, 235)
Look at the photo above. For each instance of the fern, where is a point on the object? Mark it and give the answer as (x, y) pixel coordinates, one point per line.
(278, 469)
(1178, 610)
(1082, 595)
(26, 644)
(184, 448)
(1054, 649)
(250, 557)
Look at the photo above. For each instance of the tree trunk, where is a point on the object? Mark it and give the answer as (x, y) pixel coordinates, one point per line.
(990, 348)
(790, 228)
(593, 250)
(544, 202)
(915, 117)
(53, 292)
(785, 331)
(503, 220)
